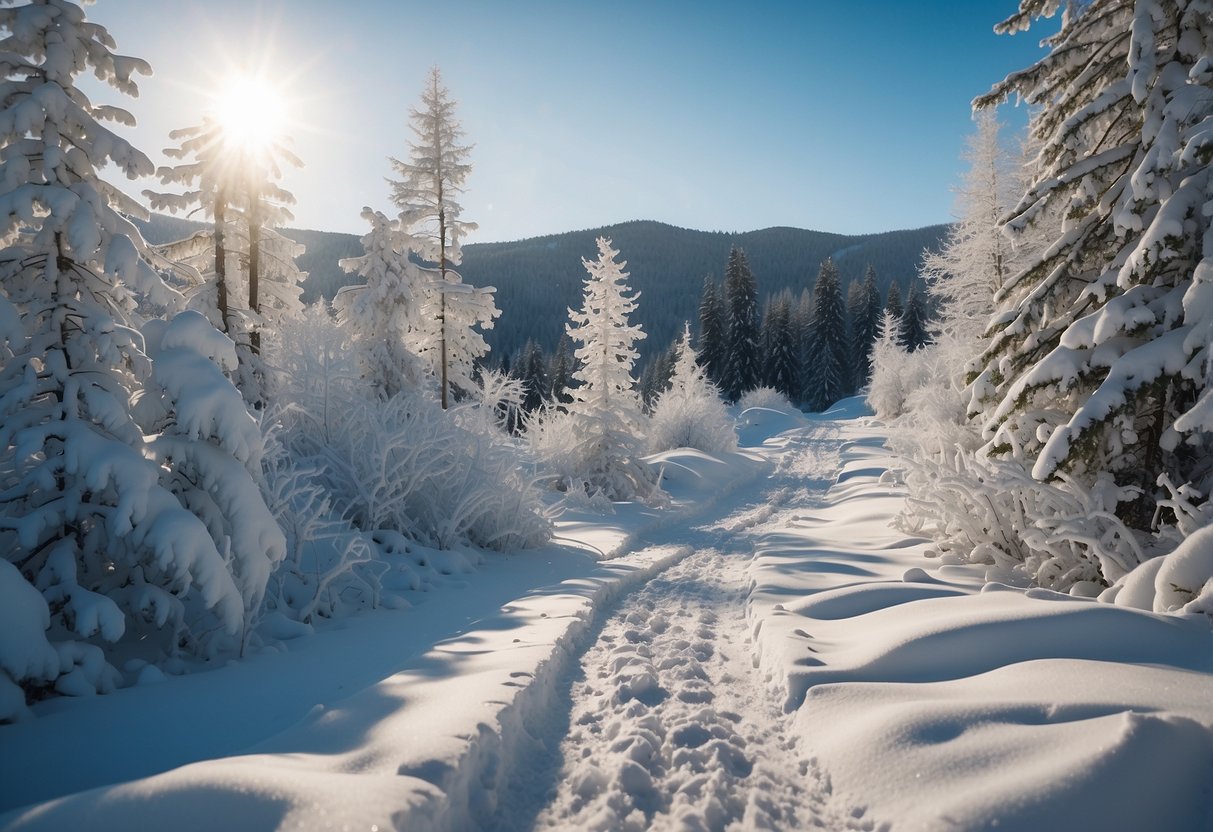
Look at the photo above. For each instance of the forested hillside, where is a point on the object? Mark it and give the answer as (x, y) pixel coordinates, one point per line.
(538, 279)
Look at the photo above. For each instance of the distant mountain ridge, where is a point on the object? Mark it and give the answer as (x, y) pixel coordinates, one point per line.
(539, 278)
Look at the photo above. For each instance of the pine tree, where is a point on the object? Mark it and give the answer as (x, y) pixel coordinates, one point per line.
(560, 373)
(742, 371)
(713, 332)
(84, 518)
(825, 376)
(1100, 346)
(605, 408)
(433, 180)
(782, 361)
(532, 369)
(383, 313)
(893, 303)
(865, 322)
(914, 321)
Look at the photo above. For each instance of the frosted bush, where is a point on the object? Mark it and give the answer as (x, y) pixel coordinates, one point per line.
(690, 414)
(767, 397)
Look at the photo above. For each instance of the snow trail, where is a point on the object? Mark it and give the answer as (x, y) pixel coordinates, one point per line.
(666, 723)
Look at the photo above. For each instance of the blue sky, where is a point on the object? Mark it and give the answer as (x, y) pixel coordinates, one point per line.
(846, 117)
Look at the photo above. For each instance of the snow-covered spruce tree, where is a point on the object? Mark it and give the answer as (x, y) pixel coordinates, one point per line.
(595, 446)
(826, 357)
(976, 256)
(210, 450)
(383, 312)
(886, 393)
(247, 280)
(713, 331)
(427, 196)
(893, 303)
(741, 362)
(83, 515)
(690, 414)
(560, 373)
(1097, 367)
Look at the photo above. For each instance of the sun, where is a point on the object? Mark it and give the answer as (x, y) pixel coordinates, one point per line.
(251, 111)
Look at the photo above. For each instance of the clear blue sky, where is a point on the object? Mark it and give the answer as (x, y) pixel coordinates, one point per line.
(846, 117)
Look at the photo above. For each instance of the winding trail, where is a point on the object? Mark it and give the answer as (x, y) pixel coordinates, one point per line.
(665, 722)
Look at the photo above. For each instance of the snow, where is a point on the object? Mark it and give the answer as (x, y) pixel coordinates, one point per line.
(766, 652)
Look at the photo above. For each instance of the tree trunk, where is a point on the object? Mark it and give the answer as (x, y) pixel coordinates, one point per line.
(221, 261)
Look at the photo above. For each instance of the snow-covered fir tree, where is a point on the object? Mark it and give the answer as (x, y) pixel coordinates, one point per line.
(742, 370)
(1098, 362)
(560, 371)
(690, 413)
(825, 375)
(976, 256)
(85, 521)
(604, 421)
(713, 330)
(427, 196)
(383, 313)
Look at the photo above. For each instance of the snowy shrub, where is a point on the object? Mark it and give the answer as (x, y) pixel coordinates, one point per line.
(691, 414)
(887, 390)
(766, 397)
(405, 464)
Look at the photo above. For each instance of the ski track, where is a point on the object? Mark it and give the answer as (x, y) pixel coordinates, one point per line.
(666, 723)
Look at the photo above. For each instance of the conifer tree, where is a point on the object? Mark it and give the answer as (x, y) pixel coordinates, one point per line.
(427, 196)
(825, 376)
(560, 372)
(713, 331)
(383, 313)
(914, 321)
(865, 323)
(893, 303)
(782, 361)
(532, 370)
(605, 410)
(741, 370)
(84, 519)
(1100, 347)
(689, 413)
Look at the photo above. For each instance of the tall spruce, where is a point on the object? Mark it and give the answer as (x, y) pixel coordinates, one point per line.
(742, 370)
(713, 331)
(1099, 360)
(865, 325)
(781, 363)
(825, 374)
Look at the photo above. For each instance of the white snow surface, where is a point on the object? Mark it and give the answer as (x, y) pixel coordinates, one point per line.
(767, 654)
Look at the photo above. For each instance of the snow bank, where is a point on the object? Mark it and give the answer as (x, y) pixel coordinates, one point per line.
(947, 697)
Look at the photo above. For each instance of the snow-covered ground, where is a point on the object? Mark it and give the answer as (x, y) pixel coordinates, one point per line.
(766, 654)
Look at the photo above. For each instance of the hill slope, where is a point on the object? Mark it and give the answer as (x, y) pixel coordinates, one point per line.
(537, 279)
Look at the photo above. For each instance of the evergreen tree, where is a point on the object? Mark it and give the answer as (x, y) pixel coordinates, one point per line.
(383, 312)
(532, 369)
(825, 376)
(85, 518)
(893, 303)
(605, 410)
(713, 331)
(742, 371)
(782, 360)
(1101, 344)
(914, 320)
(433, 180)
(865, 322)
(689, 413)
(560, 373)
